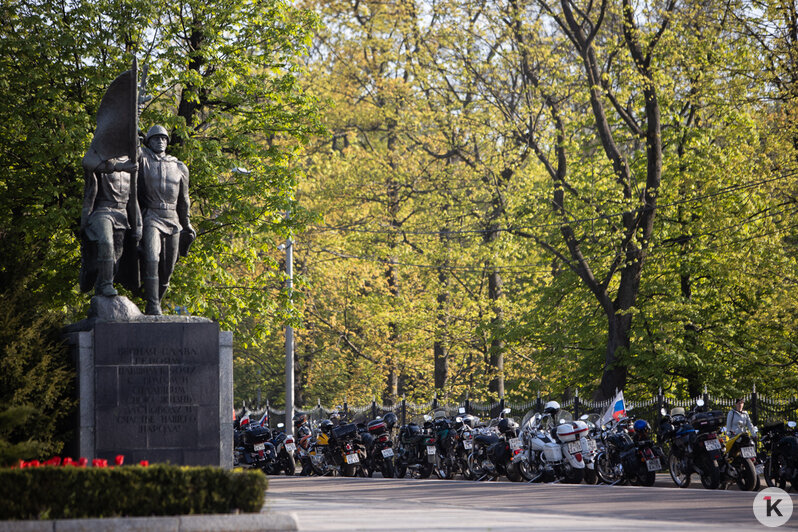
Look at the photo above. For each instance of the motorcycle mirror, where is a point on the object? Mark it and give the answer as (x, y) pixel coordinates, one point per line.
(562, 420)
(280, 425)
(792, 424)
(458, 419)
(584, 418)
(461, 410)
(427, 417)
(663, 411)
(700, 402)
(506, 411)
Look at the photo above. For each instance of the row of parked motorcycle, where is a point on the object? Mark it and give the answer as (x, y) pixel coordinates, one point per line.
(546, 447)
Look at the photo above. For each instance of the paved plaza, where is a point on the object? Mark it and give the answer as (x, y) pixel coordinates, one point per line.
(328, 504)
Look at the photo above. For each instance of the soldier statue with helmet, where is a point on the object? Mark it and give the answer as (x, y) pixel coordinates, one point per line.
(135, 217)
(164, 202)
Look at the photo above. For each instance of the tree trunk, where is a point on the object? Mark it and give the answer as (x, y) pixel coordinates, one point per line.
(440, 347)
(614, 375)
(497, 344)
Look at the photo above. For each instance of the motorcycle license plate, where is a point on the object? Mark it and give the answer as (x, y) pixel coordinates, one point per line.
(387, 453)
(574, 447)
(468, 445)
(712, 445)
(290, 447)
(653, 464)
(515, 443)
(430, 449)
(748, 452)
(352, 458)
(760, 468)
(259, 446)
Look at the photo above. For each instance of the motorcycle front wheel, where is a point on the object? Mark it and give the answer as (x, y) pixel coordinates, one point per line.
(746, 474)
(605, 470)
(473, 466)
(680, 478)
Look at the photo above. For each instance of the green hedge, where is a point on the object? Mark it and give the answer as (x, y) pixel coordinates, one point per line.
(76, 492)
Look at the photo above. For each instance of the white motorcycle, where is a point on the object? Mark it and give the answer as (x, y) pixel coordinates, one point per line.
(552, 446)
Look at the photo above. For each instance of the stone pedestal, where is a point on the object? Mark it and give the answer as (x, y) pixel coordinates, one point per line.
(159, 390)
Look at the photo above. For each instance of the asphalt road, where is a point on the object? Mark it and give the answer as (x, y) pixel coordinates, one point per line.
(327, 504)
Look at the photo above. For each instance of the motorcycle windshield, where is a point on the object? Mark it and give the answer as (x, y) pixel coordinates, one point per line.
(564, 416)
(528, 419)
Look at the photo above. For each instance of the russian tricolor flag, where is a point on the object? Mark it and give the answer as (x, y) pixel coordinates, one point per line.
(617, 409)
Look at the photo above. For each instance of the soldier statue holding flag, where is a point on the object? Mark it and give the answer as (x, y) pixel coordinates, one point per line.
(110, 222)
(132, 195)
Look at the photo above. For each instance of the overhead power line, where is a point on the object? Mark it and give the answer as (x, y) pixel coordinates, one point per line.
(438, 232)
(541, 268)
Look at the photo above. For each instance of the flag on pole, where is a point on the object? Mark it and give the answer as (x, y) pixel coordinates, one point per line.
(616, 411)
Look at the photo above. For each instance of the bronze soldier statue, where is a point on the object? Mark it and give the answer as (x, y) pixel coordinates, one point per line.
(132, 194)
(110, 222)
(110, 211)
(163, 196)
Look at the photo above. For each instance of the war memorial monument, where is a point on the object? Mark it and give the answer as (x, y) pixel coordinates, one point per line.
(151, 386)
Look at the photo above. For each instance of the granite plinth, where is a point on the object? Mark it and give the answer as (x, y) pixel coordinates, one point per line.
(157, 390)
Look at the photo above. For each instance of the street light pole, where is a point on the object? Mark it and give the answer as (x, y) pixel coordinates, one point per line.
(289, 341)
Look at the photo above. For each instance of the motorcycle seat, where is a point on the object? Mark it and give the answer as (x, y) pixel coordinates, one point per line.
(486, 439)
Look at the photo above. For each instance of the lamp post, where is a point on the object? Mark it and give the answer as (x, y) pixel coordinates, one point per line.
(289, 339)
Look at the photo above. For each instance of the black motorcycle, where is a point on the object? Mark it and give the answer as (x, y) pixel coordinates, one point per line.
(694, 446)
(348, 451)
(256, 446)
(493, 452)
(464, 443)
(416, 450)
(376, 437)
(781, 463)
(284, 447)
(629, 455)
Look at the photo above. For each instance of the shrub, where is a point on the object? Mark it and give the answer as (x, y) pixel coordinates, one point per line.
(76, 492)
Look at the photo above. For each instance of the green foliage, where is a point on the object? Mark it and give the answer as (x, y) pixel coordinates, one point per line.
(223, 76)
(36, 379)
(441, 116)
(73, 492)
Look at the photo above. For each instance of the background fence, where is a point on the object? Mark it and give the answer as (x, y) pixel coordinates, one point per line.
(762, 409)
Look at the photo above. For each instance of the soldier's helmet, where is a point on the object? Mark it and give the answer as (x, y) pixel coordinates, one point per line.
(156, 130)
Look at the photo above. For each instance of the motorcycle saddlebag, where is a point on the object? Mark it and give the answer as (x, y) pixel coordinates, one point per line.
(257, 435)
(569, 431)
(410, 433)
(553, 452)
(777, 426)
(707, 421)
(344, 432)
(377, 427)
